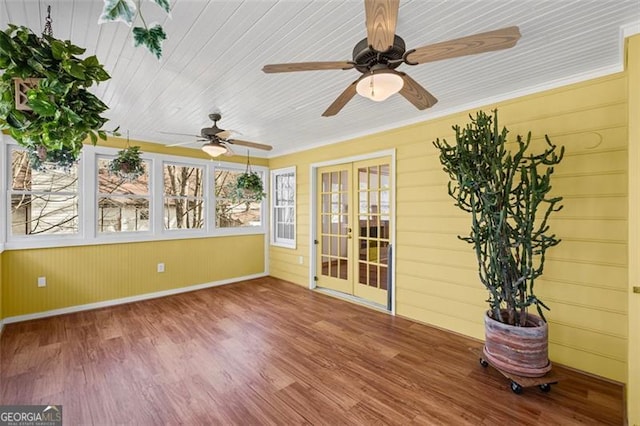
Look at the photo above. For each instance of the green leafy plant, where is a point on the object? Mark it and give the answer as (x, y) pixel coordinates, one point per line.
(63, 112)
(43, 159)
(508, 198)
(128, 164)
(150, 36)
(249, 186)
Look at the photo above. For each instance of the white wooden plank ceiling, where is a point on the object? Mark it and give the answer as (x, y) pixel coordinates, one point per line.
(215, 51)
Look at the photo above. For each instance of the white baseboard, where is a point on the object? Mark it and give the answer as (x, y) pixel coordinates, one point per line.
(114, 302)
(1, 327)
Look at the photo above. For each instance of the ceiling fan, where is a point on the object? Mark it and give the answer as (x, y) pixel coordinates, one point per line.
(219, 141)
(378, 56)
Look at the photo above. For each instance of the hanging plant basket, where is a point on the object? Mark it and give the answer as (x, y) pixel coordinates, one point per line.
(249, 185)
(43, 159)
(128, 165)
(44, 101)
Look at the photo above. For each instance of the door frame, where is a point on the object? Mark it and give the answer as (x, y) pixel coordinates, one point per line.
(313, 216)
(632, 389)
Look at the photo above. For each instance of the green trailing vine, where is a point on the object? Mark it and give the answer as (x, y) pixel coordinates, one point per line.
(128, 164)
(150, 36)
(63, 112)
(507, 195)
(249, 185)
(42, 159)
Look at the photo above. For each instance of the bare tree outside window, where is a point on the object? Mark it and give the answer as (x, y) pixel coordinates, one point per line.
(183, 197)
(42, 202)
(233, 211)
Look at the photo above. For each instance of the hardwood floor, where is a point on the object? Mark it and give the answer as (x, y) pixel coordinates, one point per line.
(269, 352)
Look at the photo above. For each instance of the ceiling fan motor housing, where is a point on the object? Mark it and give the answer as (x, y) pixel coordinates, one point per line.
(365, 57)
(211, 132)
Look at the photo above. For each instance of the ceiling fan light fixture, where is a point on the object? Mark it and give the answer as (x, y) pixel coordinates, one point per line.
(214, 149)
(379, 85)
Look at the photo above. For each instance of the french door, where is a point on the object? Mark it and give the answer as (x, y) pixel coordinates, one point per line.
(354, 219)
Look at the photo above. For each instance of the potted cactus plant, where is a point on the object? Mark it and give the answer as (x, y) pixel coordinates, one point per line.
(508, 198)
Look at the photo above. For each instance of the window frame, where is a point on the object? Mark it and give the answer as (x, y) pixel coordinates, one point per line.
(237, 167)
(88, 198)
(42, 240)
(205, 186)
(274, 239)
(149, 164)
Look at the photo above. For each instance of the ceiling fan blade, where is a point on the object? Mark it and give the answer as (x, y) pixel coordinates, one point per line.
(470, 45)
(250, 144)
(342, 100)
(229, 152)
(225, 134)
(182, 143)
(307, 66)
(382, 16)
(416, 94)
(179, 134)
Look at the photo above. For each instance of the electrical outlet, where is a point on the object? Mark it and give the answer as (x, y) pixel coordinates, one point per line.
(42, 281)
(300, 260)
(160, 267)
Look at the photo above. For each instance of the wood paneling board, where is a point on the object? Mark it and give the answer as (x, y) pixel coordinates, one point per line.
(633, 383)
(269, 352)
(89, 274)
(584, 275)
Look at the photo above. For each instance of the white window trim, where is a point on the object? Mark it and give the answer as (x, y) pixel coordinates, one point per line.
(205, 190)
(274, 173)
(39, 240)
(87, 199)
(264, 217)
(3, 190)
(100, 156)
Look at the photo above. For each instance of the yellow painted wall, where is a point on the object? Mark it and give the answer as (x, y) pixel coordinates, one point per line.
(585, 282)
(120, 142)
(1, 311)
(241, 157)
(633, 381)
(88, 274)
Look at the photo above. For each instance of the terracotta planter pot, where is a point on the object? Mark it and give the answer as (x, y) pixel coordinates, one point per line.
(518, 350)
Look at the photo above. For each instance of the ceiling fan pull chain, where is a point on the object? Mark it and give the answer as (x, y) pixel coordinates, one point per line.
(371, 88)
(48, 29)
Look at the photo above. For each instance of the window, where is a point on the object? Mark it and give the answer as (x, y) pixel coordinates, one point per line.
(43, 202)
(183, 199)
(123, 206)
(283, 207)
(85, 204)
(233, 210)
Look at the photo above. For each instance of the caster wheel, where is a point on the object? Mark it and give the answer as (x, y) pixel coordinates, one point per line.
(545, 387)
(484, 362)
(516, 388)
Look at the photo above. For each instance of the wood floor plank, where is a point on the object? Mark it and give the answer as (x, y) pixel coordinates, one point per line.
(269, 352)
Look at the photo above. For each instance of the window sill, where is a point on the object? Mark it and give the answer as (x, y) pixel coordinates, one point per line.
(284, 245)
(130, 237)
